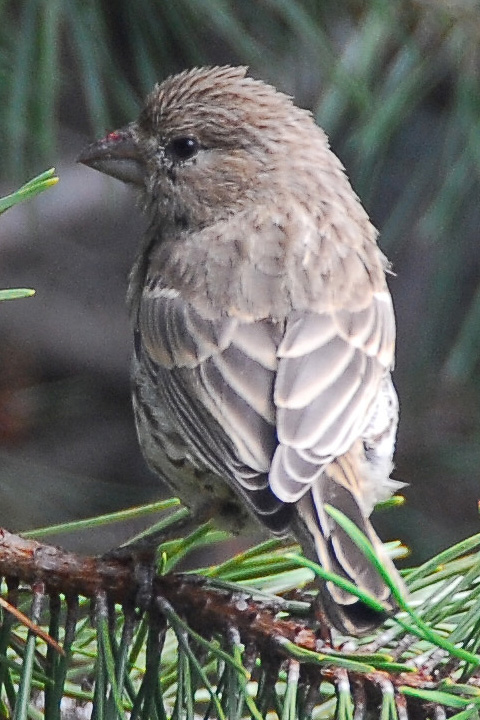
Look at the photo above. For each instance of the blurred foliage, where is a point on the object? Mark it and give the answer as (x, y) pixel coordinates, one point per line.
(395, 84)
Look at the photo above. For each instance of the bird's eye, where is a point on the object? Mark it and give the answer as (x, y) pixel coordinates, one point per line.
(182, 148)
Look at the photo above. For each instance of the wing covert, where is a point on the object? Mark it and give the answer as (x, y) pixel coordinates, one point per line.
(331, 366)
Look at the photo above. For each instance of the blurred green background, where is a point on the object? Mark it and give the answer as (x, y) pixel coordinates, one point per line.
(395, 85)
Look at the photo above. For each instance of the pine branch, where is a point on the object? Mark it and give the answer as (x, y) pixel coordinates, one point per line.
(206, 607)
(252, 633)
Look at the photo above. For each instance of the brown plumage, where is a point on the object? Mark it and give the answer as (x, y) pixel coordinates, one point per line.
(264, 329)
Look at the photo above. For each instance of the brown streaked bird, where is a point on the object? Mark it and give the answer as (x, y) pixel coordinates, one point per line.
(264, 329)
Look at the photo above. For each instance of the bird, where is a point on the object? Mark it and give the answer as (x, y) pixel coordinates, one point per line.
(263, 327)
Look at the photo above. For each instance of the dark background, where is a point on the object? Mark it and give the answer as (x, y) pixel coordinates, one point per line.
(395, 85)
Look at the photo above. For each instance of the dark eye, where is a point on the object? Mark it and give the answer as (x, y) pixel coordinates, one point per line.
(182, 148)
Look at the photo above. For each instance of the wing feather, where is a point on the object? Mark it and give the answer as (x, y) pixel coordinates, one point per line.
(326, 387)
(255, 387)
(258, 342)
(175, 334)
(311, 374)
(215, 378)
(307, 426)
(252, 436)
(305, 333)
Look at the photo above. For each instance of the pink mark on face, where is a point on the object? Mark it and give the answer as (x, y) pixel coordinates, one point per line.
(113, 136)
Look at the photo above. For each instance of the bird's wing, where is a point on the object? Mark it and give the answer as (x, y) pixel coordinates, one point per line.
(216, 377)
(331, 366)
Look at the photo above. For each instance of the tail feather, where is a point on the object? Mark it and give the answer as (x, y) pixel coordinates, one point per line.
(324, 540)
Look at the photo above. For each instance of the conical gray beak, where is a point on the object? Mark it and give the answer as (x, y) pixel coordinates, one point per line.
(116, 155)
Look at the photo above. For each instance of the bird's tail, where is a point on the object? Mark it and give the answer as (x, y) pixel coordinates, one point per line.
(326, 542)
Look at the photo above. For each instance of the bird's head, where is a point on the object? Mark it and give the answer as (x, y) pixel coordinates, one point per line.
(206, 143)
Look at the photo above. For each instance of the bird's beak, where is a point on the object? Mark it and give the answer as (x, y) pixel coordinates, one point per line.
(116, 155)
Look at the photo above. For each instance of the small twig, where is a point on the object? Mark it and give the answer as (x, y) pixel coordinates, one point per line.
(25, 620)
